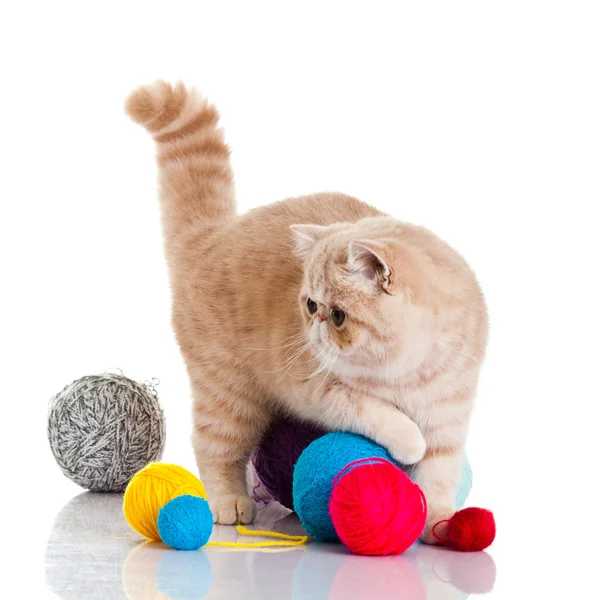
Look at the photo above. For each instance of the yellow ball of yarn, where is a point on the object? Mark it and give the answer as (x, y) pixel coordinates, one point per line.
(150, 489)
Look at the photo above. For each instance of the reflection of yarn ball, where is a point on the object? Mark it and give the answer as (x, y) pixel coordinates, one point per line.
(315, 471)
(376, 509)
(275, 457)
(473, 575)
(153, 572)
(102, 429)
(184, 575)
(343, 576)
(359, 579)
(185, 523)
(88, 529)
(280, 449)
(151, 489)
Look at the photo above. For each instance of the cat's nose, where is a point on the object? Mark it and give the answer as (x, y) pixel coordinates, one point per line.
(321, 317)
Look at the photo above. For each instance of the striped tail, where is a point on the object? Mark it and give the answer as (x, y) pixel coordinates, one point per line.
(196, 181)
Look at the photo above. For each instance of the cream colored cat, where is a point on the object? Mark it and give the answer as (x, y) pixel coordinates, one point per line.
(320, 306)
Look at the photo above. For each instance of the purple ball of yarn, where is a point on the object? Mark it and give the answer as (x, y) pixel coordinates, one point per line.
(275, 457)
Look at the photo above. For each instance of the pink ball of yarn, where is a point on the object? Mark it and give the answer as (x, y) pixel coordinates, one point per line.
(376, 509)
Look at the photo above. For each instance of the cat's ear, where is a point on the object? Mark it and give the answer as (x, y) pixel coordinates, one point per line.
(306, 236)
(368, 262)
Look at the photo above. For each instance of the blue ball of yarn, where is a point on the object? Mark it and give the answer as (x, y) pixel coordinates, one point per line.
(317, 467)
(315, 470)
(185, 523)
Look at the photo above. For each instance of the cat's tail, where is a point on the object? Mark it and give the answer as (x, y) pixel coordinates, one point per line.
(196, 181)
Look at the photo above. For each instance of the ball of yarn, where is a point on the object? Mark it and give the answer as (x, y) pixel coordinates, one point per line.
(185, 523)
(276, 455)
(470, 530)
(151, 489)
(315, 471)
(376, 509)
(103, 429)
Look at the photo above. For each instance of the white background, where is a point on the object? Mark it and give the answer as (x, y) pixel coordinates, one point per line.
(479, 120)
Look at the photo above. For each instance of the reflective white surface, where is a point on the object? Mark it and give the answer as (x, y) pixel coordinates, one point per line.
(92, 553)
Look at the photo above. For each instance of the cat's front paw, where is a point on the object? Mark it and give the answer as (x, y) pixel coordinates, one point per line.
(408, 446)
(233, 510)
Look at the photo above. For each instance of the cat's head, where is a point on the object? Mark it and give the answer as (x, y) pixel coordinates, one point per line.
(364, 298)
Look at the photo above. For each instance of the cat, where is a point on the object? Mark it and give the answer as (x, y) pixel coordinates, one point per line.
(320, 307)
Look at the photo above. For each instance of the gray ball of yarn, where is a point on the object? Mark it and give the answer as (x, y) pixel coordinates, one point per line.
(103, 429)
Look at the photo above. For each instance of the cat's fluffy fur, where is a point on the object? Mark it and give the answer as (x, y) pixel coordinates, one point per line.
(402, 368)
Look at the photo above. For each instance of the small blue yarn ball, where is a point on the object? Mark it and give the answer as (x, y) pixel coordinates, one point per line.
(185, 523)
(317, 467)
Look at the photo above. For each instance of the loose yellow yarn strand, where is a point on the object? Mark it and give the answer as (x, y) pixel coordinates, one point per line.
(283, 539)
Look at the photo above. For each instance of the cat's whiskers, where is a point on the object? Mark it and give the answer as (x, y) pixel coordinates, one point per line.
(309, 375)
(332, 357)
(288, 342)
(323, 365)
(291, 360)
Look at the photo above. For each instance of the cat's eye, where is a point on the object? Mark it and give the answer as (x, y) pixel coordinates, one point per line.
(311, 306)
(338, 316)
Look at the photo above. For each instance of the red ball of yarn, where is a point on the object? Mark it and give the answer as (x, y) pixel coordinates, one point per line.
(376, 509)
(470, 530)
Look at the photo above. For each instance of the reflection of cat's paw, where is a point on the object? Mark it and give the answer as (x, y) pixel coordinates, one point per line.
(408, 446)
(233, 510)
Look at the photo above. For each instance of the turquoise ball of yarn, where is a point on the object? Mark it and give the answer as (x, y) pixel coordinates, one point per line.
(317, 467)
(315, 470)
(185, 523)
